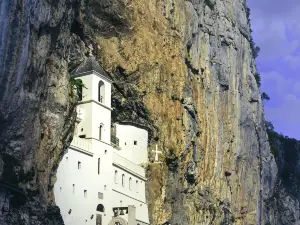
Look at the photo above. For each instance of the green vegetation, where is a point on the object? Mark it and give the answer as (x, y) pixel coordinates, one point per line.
(265, 96)
(286, 152)
(76, 85)
(258, 79)
(255, 49)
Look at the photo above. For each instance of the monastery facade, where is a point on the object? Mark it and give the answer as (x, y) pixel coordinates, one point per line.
(100, 180)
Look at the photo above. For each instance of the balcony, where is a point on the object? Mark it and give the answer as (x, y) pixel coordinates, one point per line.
(82, 145)
(114, 140)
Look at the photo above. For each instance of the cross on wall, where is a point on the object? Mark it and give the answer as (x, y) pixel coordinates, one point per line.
(156, 155)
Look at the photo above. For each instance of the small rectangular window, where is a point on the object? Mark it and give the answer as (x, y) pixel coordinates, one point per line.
(79, 165)
(85, 193)
(100, 195)
(98, 165)
(135, 142)
(137, 186)
(73, 188)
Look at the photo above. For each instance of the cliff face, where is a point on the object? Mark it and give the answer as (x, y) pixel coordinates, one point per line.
(283, 207)
(185, 69)
(37, 110)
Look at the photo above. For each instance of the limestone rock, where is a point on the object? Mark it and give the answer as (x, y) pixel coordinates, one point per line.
(184, 69)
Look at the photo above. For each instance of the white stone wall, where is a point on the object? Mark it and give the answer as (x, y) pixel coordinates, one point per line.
(124, 196)
(73, 181)
(86, 178)
(107, 97)
(127, 135)
(94, 113)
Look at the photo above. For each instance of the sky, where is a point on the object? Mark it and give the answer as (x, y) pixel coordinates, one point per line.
(276, 30)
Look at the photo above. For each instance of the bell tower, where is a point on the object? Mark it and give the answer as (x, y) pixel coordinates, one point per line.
(94, 100)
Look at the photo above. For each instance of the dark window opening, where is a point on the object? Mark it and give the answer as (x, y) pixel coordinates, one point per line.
(135, 142)
(100, 208)
(98, 165)
(100, 132)
(101, 91)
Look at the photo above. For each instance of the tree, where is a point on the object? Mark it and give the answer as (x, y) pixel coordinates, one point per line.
(265, 96)
(269, 126)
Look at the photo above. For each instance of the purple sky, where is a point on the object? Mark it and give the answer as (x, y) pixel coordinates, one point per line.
(276, 30)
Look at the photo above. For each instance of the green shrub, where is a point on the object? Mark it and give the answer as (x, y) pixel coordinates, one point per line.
(258, 79)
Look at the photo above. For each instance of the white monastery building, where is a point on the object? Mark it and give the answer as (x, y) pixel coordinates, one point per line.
(100, 180)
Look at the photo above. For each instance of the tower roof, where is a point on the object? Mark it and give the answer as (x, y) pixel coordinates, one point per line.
(90, 65)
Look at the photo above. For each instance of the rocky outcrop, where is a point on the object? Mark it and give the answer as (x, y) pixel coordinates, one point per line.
(283, 206)
(37, 107)
(185, 69)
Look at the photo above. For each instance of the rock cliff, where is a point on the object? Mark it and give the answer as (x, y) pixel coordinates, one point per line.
(283, 207)
(183, 68)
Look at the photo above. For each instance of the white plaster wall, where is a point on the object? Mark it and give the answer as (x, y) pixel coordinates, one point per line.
(87, 91)
(100, 115)
(86, 178)
(136, 192)
(141, 207)
(90, 91)
(107, 97)
(92, 116)
(127, 134)
(86, 122)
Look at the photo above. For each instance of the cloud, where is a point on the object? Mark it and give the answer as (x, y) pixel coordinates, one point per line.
(276, 30)
(274, 26)
(293, 61)
(284, 107)
(285, 116)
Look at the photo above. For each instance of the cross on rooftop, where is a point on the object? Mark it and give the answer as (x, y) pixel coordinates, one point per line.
(156, 155)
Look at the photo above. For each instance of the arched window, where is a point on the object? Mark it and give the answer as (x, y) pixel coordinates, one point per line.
(79, 89)
(100, 131)
(101, 91)
(116, 176)
(100, 208)
(130, 183)
(123, 180)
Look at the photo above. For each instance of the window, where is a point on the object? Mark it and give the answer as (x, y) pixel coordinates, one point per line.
(60, 188)
(79, 89)
(73, 188)
(67, 158)
(100, 208)
(116, 176)
(100, 195)
(105, 152)
(137, 186)
(101, 91)
(100, 131)
(104, 187)
(98, 165)
(85, 193)
(135, 142)
(123, 180)
(79, 165)
(130, 183)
